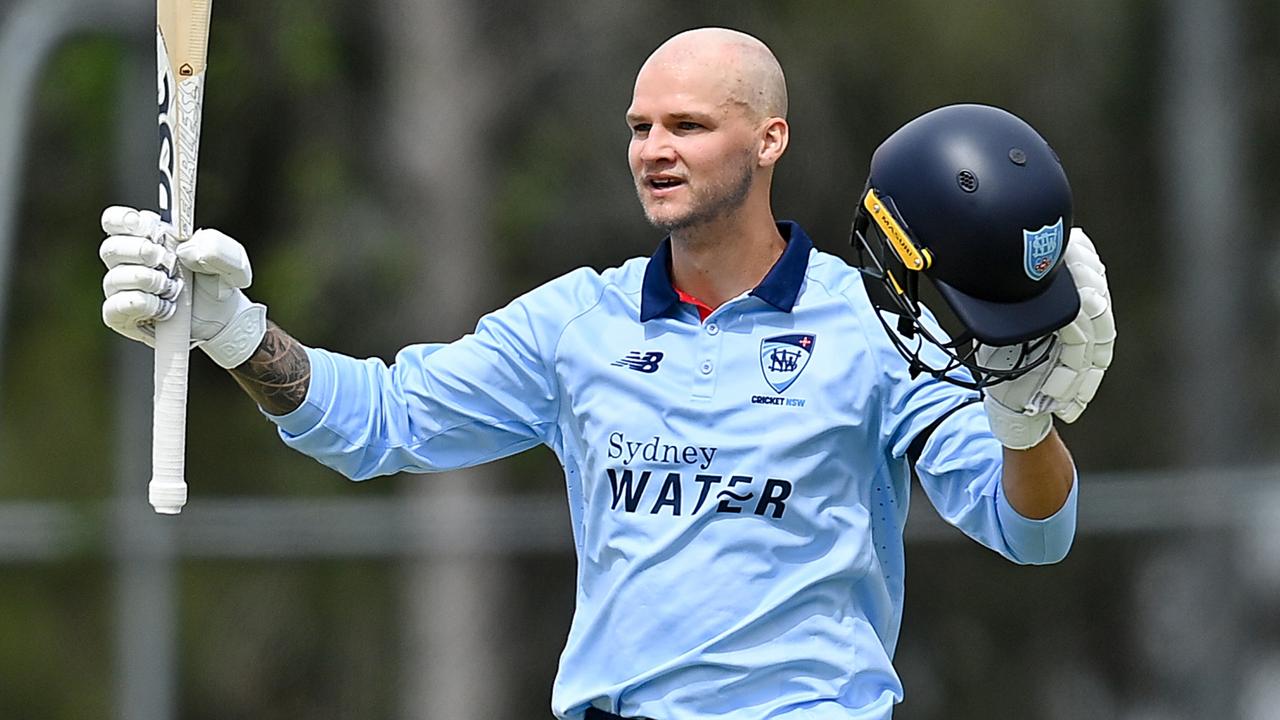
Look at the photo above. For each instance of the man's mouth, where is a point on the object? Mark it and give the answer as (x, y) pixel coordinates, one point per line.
(660, 183)
(662, 186)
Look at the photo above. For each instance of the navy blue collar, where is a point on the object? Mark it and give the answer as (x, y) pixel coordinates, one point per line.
(780, 287)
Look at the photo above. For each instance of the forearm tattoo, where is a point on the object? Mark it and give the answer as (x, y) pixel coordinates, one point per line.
(278, 374)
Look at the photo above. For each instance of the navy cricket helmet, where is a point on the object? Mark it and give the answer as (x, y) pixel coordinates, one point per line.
(974, 199)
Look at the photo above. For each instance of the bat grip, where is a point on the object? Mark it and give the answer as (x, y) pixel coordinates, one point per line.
(168, 488)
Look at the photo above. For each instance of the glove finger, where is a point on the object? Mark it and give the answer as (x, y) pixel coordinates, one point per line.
(1071, 412)
(120, 220)
(1104, 327)
(135, 250)
(1080, 247)
(142, 333)
(1092, 302)
(1102, 353)
(1076, 333)
(1090, 381)
(144, 279)
(212, 252)
(1085, 259)
(1076, 356)
(131, 307)
(1087, 277)
(1061, 384)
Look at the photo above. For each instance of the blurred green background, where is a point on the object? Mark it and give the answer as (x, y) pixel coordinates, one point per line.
(396, 168)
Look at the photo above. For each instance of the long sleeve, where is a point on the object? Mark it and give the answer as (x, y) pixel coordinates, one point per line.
(960, 471)
(945, 431)
(487, 395)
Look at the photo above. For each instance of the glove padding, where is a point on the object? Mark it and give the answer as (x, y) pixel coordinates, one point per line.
(142, 283)
(1021, 411)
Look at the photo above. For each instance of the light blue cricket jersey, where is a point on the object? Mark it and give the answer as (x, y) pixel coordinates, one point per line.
(737, 487)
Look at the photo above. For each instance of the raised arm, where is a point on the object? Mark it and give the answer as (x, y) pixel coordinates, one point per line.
(1037, 481)
(1029, 513)
(439, 406)
(1037, 467)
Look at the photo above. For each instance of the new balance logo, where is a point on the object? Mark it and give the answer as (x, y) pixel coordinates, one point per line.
(645, 362)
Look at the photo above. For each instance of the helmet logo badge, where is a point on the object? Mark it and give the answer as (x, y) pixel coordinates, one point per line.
(1041, 249)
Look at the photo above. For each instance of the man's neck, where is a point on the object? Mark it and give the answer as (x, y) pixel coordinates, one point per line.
(719, 261)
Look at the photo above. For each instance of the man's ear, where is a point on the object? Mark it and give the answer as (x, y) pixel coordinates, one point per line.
(774, 135)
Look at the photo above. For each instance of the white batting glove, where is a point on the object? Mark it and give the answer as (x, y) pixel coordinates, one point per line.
(142, 282)
(1021, 411)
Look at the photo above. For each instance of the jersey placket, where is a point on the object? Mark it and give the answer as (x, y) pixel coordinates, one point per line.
(707, 360)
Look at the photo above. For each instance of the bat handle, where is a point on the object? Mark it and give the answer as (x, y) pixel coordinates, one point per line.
(168, 488)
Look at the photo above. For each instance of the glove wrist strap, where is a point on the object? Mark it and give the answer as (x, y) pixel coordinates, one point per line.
(237, 342)
(1016, 430)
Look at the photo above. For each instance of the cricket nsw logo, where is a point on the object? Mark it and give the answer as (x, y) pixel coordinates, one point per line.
(1041, 249)
(784, 357)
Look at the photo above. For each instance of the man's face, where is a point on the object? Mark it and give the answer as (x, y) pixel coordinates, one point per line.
(692, 151)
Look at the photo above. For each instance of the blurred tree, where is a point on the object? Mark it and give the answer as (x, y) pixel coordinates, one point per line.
(440, 96)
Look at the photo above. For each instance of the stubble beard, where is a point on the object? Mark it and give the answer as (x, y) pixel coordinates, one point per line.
(716, 202)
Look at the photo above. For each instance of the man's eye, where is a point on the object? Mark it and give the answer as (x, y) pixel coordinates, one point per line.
(640, 128)
(689, 125)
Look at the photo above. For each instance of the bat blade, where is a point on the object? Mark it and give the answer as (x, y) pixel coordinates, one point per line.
(182, 37)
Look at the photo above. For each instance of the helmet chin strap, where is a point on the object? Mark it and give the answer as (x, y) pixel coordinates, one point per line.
(906, 328)
(907, 325)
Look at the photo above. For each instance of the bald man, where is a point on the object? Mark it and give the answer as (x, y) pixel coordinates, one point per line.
(734, 429)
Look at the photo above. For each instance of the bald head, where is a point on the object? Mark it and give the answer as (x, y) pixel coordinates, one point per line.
(745, 67)
(708, 124)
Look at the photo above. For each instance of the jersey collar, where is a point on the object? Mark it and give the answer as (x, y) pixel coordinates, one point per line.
(780, 287)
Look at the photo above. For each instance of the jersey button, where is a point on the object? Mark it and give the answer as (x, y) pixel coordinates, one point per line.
(713, 329)
(707, 367)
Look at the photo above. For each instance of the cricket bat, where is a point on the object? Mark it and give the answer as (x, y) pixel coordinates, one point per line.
(182, 38)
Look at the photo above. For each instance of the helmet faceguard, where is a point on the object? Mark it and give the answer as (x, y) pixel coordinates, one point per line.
(893, 284)
(972, 198)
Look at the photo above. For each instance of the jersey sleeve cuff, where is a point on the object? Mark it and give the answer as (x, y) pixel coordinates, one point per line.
(320, 391)
(1043, 541)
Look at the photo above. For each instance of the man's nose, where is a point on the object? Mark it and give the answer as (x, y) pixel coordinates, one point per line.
(657, 146)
